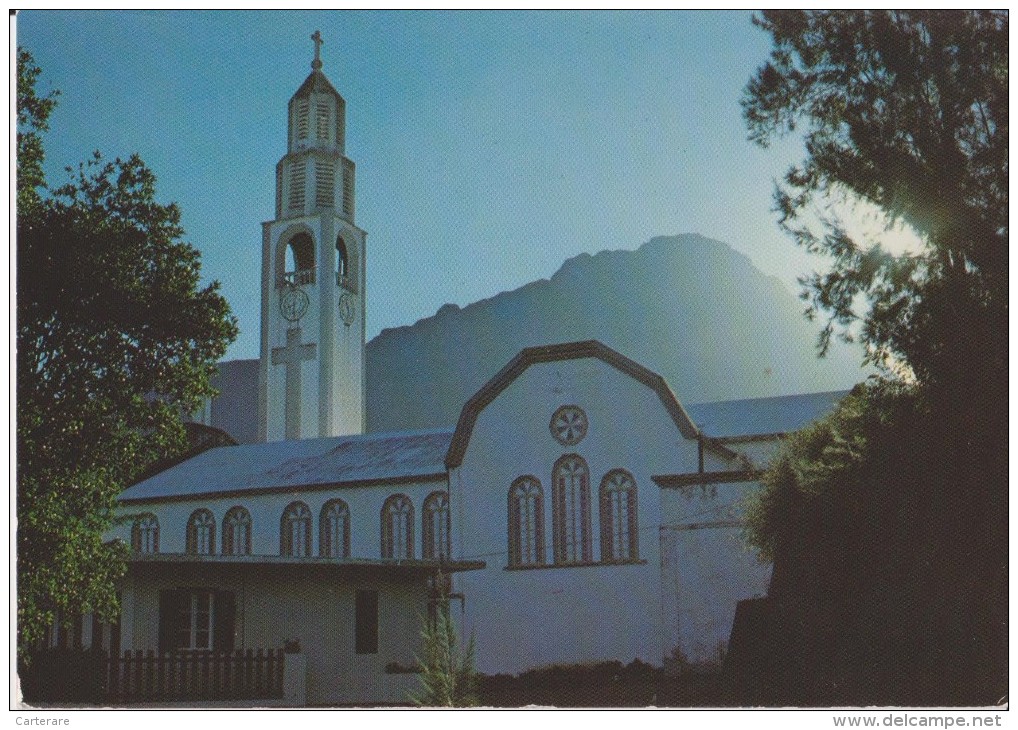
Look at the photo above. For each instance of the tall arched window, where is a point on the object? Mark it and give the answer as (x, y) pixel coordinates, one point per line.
(526, 522)
(145, 534)
(398, 528)
(619, 533)
(571, 510)
(334, 530)
(237, 532)
(201, 533)
(435, 523)
(295, 531)
(299, 260)
(342, 261)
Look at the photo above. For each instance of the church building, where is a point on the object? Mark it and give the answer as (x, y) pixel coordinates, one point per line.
(577, 512)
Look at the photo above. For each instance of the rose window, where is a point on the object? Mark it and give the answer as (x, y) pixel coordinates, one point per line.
(569, 425)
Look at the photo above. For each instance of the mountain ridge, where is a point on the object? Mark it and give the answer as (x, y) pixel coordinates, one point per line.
(668, 304)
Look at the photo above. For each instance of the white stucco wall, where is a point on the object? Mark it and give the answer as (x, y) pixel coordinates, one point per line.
(528, 618)
(706, 567)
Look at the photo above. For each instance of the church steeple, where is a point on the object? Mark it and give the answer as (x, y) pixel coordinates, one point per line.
(313, 276)
(317, 112)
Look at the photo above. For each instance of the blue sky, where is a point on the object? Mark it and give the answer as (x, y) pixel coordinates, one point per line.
(490, 146)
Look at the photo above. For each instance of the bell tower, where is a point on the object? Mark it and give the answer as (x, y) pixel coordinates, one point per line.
(311, 370)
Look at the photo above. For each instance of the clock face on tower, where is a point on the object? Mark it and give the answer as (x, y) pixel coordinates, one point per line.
(347, 308)
(293, 304)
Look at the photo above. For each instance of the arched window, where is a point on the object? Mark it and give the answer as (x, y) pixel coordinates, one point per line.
(299, 260)
(342, 261)
(334, 530)
(145, 534)
(398, 528)
(526, 522)
(435, 523)
(295, 531)
(237, 532)
(571, 510)
(201, 533)
(619, 534)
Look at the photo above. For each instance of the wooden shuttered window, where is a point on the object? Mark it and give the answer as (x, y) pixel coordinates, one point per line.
(366, 622)
(225, 621)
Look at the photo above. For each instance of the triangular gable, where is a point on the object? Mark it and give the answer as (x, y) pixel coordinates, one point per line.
(553, 353)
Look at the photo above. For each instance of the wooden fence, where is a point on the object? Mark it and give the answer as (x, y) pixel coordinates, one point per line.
(195, 676)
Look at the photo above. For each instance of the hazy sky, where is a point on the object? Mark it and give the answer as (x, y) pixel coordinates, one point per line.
(490, 146)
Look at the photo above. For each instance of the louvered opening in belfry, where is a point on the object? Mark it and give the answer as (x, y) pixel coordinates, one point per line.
(325, 181)
(303, 110)
(298, 179)
(348, 190)
(322, 121)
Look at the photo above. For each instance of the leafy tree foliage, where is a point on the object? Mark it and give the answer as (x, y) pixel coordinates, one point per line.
(894, 509)
(33, 116)
(116, 338)
(907, 111)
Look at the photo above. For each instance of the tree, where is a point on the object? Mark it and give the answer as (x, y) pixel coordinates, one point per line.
(33, 119)
(892, 513)
(115, 340)
(447, 672)
(907, 111)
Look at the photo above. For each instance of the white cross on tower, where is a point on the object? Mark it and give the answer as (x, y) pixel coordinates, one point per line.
(292, 356)
(317, 38)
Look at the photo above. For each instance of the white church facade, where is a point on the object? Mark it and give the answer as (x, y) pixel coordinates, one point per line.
(577, 512)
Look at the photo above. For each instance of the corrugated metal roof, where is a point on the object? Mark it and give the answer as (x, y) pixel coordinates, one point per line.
(758, 416)
(400, 456)
(280, 464)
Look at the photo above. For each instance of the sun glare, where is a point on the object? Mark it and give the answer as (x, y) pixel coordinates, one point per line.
(869, 225)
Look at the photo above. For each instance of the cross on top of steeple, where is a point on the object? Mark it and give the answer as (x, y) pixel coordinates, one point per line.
(317, 38)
